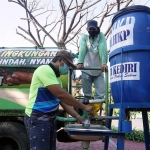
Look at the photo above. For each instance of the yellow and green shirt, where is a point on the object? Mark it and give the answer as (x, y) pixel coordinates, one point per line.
(40, 98)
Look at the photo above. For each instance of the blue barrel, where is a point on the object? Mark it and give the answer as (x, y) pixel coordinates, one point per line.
(130, 55)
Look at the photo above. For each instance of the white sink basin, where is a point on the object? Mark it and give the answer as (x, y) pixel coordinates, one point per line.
(77, 128)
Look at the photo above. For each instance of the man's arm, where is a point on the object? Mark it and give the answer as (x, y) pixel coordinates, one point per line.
(64, 96)
(102, 47)
(72, 112)
(82, 49)
(67, 98)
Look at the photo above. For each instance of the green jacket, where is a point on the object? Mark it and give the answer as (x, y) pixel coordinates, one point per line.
(102, 48)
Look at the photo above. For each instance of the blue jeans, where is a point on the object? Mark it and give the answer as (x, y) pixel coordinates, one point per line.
(41, 132)
(99, 85)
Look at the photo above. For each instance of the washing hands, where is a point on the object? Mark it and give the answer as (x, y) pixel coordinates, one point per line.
(86, 124)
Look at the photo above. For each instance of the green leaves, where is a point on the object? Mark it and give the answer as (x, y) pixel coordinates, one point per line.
(135, 135)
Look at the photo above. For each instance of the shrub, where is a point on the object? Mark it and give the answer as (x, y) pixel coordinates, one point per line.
(135, 135)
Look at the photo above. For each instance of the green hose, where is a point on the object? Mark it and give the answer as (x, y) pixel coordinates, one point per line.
(71, 119)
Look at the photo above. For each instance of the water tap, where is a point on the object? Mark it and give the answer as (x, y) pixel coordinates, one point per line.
(86, 124)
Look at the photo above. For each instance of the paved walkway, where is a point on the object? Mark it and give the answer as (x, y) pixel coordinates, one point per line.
(99, 145)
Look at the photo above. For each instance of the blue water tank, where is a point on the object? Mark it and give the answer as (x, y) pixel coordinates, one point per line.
(130, 55)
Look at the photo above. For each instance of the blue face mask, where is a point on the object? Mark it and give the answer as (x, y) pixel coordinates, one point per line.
(63, 69)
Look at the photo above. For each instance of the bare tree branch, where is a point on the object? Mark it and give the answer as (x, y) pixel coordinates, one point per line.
(63, 24)
(118, 6)
(31, 41)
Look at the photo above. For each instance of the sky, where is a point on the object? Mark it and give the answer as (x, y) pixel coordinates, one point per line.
(10, 15)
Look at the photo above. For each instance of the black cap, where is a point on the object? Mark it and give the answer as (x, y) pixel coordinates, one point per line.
(67, 55)
(92, 24)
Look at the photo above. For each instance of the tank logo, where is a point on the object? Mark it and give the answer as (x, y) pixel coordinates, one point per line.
(122, 33)
(125, 71)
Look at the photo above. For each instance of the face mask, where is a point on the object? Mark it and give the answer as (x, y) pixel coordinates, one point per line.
(92, 33)
(98, 30)
(63, 69)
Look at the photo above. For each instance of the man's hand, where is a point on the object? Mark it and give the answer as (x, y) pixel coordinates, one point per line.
(104, 68)
(89, 109)
(80, 119)
(79, 66)
(72, 112)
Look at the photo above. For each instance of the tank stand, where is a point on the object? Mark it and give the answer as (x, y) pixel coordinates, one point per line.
(85, 145)
(126, 107)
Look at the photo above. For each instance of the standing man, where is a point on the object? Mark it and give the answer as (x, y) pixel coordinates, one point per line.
(45, 96)
(93, 53)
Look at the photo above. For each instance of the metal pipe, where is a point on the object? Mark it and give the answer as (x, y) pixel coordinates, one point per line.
(94, 68)
(113, 143)
(96, 101)
(106, 92)
(85, 145)
(69, 81)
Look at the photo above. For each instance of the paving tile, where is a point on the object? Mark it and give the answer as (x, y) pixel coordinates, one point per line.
(99, 145)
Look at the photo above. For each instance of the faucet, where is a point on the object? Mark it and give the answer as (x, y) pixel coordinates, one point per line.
(86, 124)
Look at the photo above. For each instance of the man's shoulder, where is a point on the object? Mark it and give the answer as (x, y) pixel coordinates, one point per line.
(101, 34)
(85, 35)
(43, 68)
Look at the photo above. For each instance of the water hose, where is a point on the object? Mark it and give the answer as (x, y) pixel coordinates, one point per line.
(70, 119)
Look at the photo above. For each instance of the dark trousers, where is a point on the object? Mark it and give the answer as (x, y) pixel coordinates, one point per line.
(41, 132)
